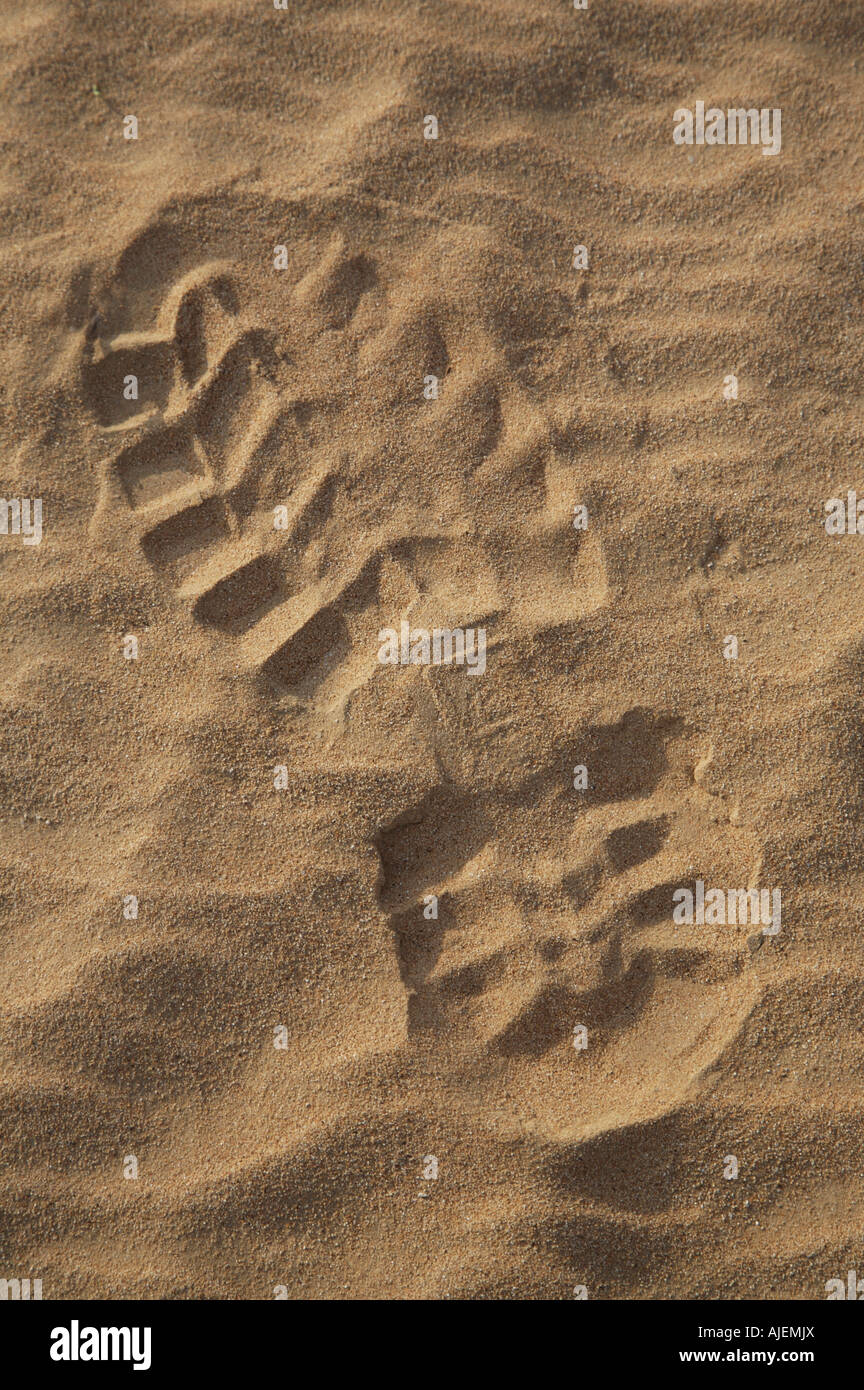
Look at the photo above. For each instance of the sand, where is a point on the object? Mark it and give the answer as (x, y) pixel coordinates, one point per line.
(242, 1057)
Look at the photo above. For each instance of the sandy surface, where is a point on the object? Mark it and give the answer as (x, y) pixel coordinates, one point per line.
(283, 1038)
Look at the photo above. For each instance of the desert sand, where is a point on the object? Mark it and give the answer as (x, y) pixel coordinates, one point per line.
(242, 1057)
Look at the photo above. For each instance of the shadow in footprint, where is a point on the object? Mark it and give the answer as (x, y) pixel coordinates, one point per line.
(628, 758)
(633, 844)
(233, 603)
(428, 843)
